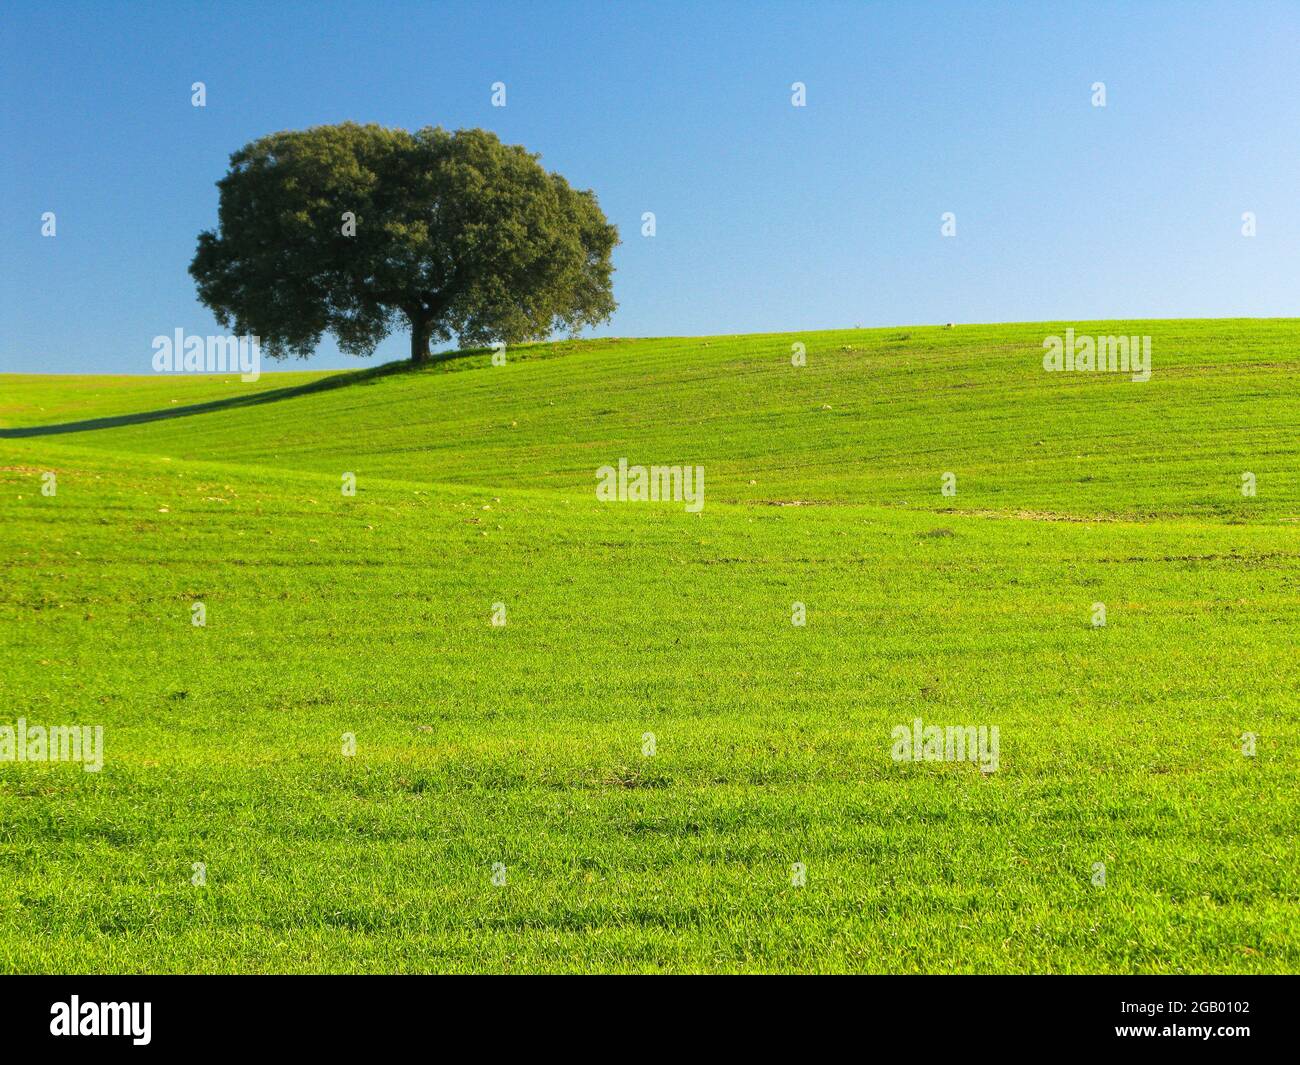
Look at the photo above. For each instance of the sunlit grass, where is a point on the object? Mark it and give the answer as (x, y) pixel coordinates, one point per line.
(523, 745)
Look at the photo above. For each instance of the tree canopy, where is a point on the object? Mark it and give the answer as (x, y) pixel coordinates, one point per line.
(359, 230)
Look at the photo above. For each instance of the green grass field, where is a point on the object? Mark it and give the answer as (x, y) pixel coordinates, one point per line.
(522, 744)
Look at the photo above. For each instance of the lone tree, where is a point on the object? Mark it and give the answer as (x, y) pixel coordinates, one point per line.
(358, 230)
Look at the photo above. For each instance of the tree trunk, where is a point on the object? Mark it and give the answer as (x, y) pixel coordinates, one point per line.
(419, 343)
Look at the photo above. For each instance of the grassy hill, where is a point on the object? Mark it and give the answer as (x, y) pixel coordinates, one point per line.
(523, 744)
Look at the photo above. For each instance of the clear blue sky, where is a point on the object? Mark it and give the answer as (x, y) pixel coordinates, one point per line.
(770, 217)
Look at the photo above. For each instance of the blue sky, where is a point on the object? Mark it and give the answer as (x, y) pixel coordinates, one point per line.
(769, 217)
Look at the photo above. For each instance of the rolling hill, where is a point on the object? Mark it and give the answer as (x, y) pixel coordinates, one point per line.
(502, 809)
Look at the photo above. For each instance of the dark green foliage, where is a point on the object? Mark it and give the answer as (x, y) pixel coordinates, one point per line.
(456, 234)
